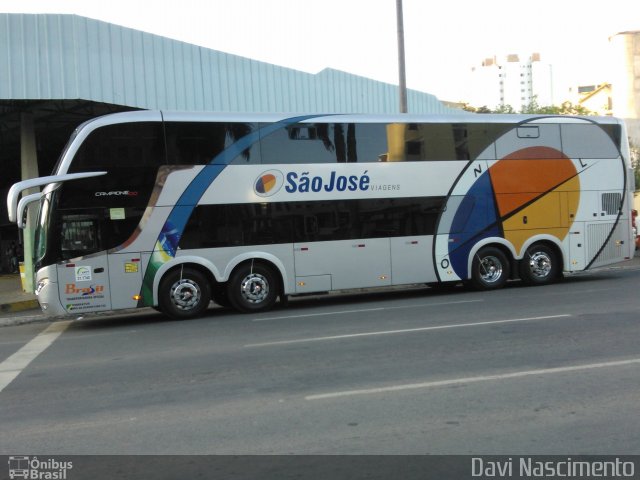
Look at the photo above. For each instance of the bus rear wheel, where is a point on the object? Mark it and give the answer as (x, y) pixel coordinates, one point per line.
(253, 287)
(184, 293)
(539, 265)
(490, 269)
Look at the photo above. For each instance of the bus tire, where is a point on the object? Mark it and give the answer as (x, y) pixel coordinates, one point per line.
(184, 293)
(539, 266)
(489, 269)
(253, 287)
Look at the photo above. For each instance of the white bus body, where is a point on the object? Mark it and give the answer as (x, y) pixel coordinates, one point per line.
(246, 209)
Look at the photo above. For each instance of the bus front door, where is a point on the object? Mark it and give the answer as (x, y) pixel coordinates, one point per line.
(84, 285)
(128, 271)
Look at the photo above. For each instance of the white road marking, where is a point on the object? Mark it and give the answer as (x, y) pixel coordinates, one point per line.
(467, 380)
(379, 309)
(16, 363)
(407, 330)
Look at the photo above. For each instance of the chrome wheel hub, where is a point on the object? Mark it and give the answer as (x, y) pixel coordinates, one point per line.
(185, 294)
(490, 269)
(254, 288)
(540, 265)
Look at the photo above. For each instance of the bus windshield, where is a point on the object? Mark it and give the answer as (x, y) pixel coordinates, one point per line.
(64, 234)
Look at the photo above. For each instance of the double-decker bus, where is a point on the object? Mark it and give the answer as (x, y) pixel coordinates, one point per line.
(172, 210)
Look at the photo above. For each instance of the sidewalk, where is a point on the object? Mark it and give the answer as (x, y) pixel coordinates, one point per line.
(12, 298)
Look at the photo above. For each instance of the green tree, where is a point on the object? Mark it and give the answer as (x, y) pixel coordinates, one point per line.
(569, 108)
(504, 109)
(533, 107)
(635, 162)
(484, 109)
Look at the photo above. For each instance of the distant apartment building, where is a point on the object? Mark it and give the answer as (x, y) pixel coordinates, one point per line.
(512, 80)
(595, 98)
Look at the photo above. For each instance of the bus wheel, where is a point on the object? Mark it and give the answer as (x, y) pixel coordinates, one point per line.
(184, 293)
(253, 287)
(539, 265)
(490, 269)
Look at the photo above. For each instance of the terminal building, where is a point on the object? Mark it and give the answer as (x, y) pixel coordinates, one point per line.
(57, 71)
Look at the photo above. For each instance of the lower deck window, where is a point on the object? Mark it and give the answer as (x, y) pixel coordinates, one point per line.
(288, 222)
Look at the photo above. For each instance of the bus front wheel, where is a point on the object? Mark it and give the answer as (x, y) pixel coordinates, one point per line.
(184, 293)
(490, 269)
(253, 287)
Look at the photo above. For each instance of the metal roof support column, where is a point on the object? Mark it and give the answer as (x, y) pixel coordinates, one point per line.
(29, 165)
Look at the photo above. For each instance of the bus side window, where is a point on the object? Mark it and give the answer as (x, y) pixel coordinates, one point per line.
(310, 225)
(419, 142)
(581, 140)
(325, 143)
(199, 143)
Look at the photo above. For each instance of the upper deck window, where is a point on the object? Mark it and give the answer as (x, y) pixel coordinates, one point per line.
(325, 143)
(199, 143)
(378, 142)
(138, 144)
(130, 153)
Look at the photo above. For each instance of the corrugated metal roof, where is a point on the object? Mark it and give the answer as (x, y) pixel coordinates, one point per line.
(61, 57)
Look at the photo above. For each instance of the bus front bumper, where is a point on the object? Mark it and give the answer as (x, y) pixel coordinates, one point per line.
(47, 294)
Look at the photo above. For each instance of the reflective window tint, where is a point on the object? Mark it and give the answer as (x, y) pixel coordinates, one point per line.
(82, 231)
(441, 141)
(121, 145)
(131, 154)
(370, 142)
(198, 143)
(101, 213)
(325, 143)
(580, 140)
(287, 222)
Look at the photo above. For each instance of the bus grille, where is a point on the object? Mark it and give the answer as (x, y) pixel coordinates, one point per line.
(597, 234)
(611, 203)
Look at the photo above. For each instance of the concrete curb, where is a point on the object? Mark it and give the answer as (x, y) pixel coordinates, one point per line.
(23, 320)
(20, 306)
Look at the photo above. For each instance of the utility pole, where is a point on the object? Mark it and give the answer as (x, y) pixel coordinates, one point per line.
(403, 78)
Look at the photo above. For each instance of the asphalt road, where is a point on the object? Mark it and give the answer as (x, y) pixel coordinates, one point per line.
(547, 370)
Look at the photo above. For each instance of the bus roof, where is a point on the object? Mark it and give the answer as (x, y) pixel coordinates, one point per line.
(464, 117)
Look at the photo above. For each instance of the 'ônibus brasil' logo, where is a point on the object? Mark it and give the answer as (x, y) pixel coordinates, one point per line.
(268, 183)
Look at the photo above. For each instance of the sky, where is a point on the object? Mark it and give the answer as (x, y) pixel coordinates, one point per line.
(443, 40)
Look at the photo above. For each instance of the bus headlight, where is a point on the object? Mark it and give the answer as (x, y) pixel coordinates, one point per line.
(41, 284)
